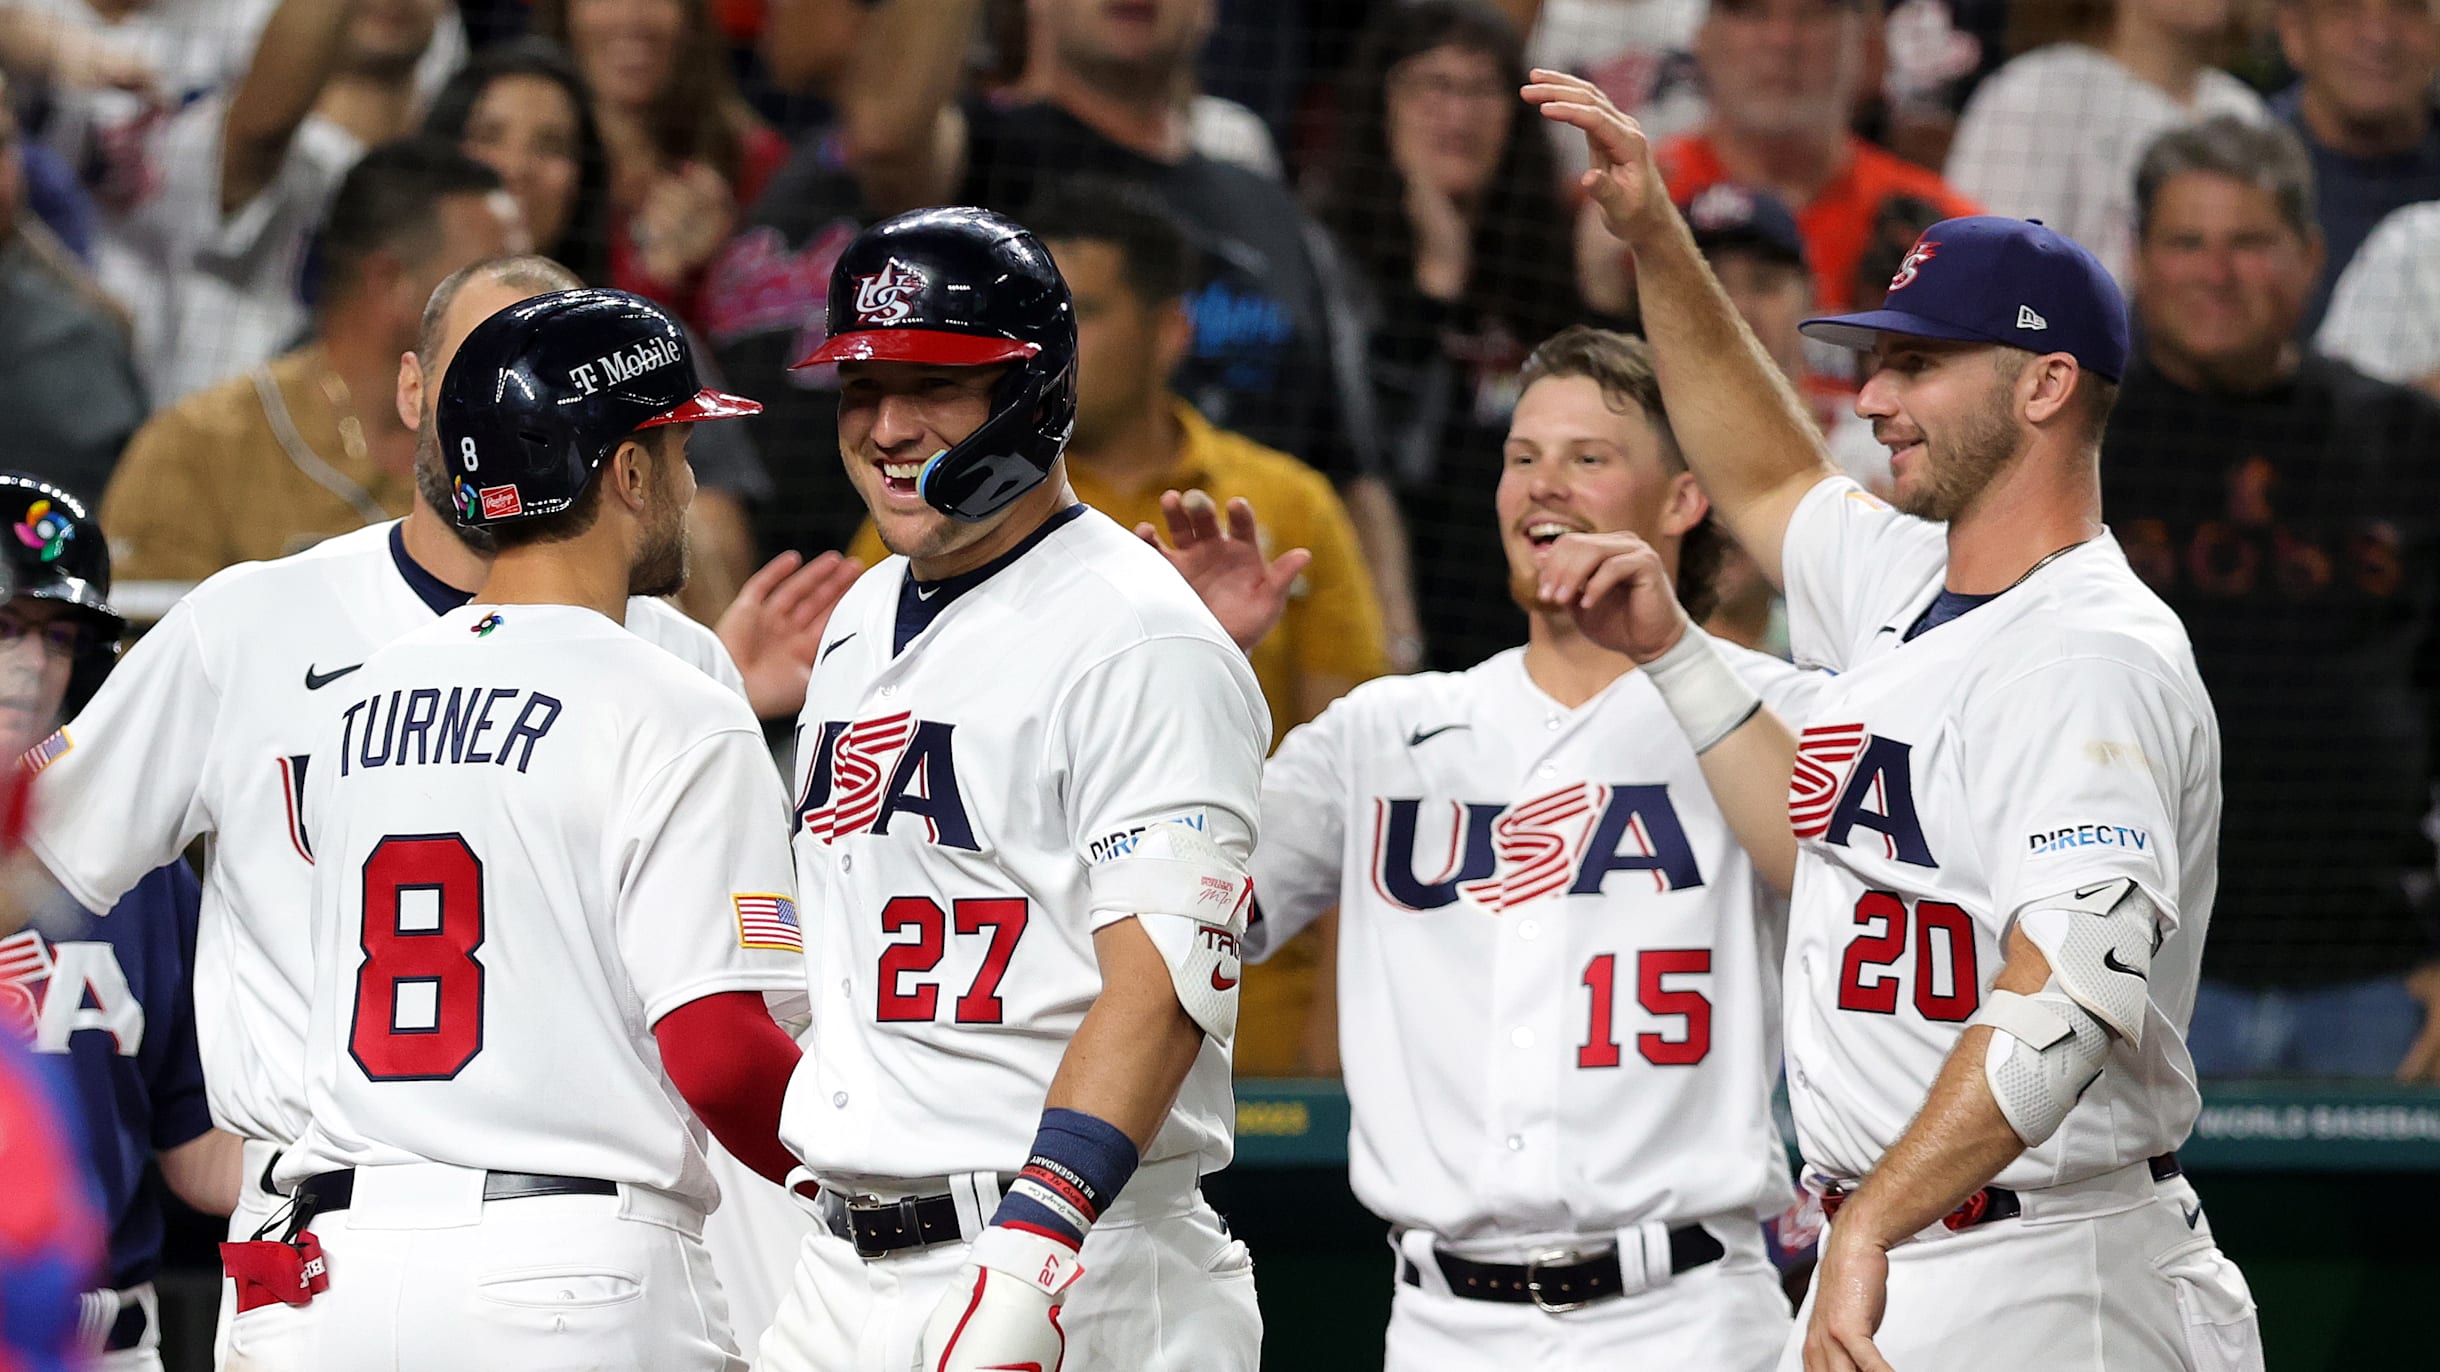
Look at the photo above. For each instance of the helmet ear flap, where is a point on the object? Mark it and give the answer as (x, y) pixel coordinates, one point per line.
(1012, 452)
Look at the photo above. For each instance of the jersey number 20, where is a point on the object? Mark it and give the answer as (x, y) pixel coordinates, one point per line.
(419, 994)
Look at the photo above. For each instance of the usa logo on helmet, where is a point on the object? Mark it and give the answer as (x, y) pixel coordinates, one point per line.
(888, 295)
(1915, 258)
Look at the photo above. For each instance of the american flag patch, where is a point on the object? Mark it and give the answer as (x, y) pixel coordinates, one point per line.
(768, 921)
(45, 753)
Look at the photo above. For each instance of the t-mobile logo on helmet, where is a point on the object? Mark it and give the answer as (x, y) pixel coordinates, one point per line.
(888, 295)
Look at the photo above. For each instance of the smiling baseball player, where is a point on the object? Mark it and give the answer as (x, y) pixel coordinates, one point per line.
(1557, 967)
(1026, 790)
(2006, 804)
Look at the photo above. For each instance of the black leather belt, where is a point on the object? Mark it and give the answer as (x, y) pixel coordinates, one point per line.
(880, 1227)
(1563, 1279)
(327, 1191)
(1994, 1203)
(128, 1331)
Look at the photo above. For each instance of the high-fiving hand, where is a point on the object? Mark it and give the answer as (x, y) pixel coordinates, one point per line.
(1226, 568)
(1622, 180)
(773, 629)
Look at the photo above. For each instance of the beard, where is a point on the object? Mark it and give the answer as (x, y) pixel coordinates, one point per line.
(660, 566)
(432, 483)
(1958, 470)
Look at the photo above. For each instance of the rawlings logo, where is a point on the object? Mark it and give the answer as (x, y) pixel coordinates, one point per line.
(888, 295)
(1915, 258)
(500, 502)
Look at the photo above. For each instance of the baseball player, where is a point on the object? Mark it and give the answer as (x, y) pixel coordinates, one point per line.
(2006, 805)
(549, 893)
(109, 999)
(1027, 777)
(1557, 997)
(206, 728)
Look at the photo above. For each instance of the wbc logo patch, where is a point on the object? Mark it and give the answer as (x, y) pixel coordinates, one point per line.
(888, 295)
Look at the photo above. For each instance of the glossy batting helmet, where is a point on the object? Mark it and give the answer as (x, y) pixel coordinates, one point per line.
(542, 392)
(965, 288)
(54, 551)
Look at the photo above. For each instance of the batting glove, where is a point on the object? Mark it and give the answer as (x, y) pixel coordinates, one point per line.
(1002, 1312)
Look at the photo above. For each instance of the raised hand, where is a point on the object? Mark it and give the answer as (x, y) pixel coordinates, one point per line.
(1226, 568)
(1622, 180)
(773, 630)
(1617, 590)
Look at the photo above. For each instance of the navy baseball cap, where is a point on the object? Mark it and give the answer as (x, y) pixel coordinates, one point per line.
(1728, 215)
(1984, 279)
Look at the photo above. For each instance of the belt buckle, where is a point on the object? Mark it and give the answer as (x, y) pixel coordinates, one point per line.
(1551, 1257)
(870, 1204)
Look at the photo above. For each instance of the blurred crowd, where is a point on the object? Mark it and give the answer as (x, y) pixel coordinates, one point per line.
(1312, 242)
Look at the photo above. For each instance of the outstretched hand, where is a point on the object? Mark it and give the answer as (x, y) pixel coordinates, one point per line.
(1622, 179)
(1618, 591)
(1225, 567)
(773, 629)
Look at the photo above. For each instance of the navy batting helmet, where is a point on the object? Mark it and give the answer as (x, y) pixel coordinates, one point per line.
(540, 393)
(965, 288)
(54, 551)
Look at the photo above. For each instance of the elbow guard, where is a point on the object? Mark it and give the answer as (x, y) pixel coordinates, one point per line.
(2099, 942)
(1191, 897)
(2045, 1051)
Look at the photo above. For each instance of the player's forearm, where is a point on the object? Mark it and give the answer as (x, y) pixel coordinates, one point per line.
(897, 92)
(731, 1063)
(206, 1171)
(1956, 1145)
(1748, 775)
(1737, 419)
(293, 60)
(1136, 1044)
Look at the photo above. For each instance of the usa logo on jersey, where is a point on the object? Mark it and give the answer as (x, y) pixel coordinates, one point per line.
(49, 991)
(1567, 841)
(1848, 778)
(866, 773)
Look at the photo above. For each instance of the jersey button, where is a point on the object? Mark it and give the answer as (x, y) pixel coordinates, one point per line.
(838, 1100)
(1551, 722)
(1529, 930)
(1547, 770)
(1521, 1037)
(846, 863)
(1516, 1143)
(888, 691)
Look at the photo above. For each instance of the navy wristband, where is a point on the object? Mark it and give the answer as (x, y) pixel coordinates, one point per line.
(1076, 1168)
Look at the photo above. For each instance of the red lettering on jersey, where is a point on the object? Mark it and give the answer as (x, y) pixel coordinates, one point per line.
(1824, 756)
(1537, 843)
(862, 759)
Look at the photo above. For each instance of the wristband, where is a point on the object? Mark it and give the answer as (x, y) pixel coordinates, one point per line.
(1076, 1168)
(1708, 697)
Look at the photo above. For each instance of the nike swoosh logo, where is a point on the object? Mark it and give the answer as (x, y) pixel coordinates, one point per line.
(1221, 983)
(1424, 735)
(2110, 960)
(837, 641)
(926, 592)
(2193, 1216)
(315, 681)
(2091, 891)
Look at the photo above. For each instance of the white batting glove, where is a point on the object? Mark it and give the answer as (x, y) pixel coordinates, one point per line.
(1002, 1312)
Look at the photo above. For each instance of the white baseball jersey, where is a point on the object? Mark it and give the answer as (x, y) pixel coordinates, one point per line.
(207, 728)
(957, 795)
(534, 834)
(1557, 971)
(2055, 736)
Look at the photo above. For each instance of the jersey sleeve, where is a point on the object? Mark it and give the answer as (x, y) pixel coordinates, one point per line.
(2081, 770)
(1304, 823)
(706, 888)
(657, 622)
(1848, 563)
(173, 898)
(122, 790)
(1170, 730)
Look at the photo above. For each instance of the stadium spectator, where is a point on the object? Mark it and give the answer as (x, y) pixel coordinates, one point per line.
(2287, 507)
(2055, 134)
(2384, 318)
(58, 337)
(110, 1002)
(1782, 76)
(309, 445)
(216, 274)
(521, 110)
(685, 150)
(2364, 101)
(1278, 351)
(1444, 198)
(1130, 267)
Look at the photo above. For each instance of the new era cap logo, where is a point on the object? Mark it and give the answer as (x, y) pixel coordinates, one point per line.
(2027, 319)
(1916, 256)
(500, 502)
(888, 295)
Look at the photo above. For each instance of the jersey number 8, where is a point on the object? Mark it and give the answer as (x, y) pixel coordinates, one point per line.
(419, 994)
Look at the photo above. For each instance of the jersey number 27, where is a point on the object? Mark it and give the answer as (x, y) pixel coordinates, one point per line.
(419, 994)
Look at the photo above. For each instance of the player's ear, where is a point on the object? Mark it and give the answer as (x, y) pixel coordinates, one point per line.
(629, 473)
(2043, 387)
(410, 397)
(1687, 505)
